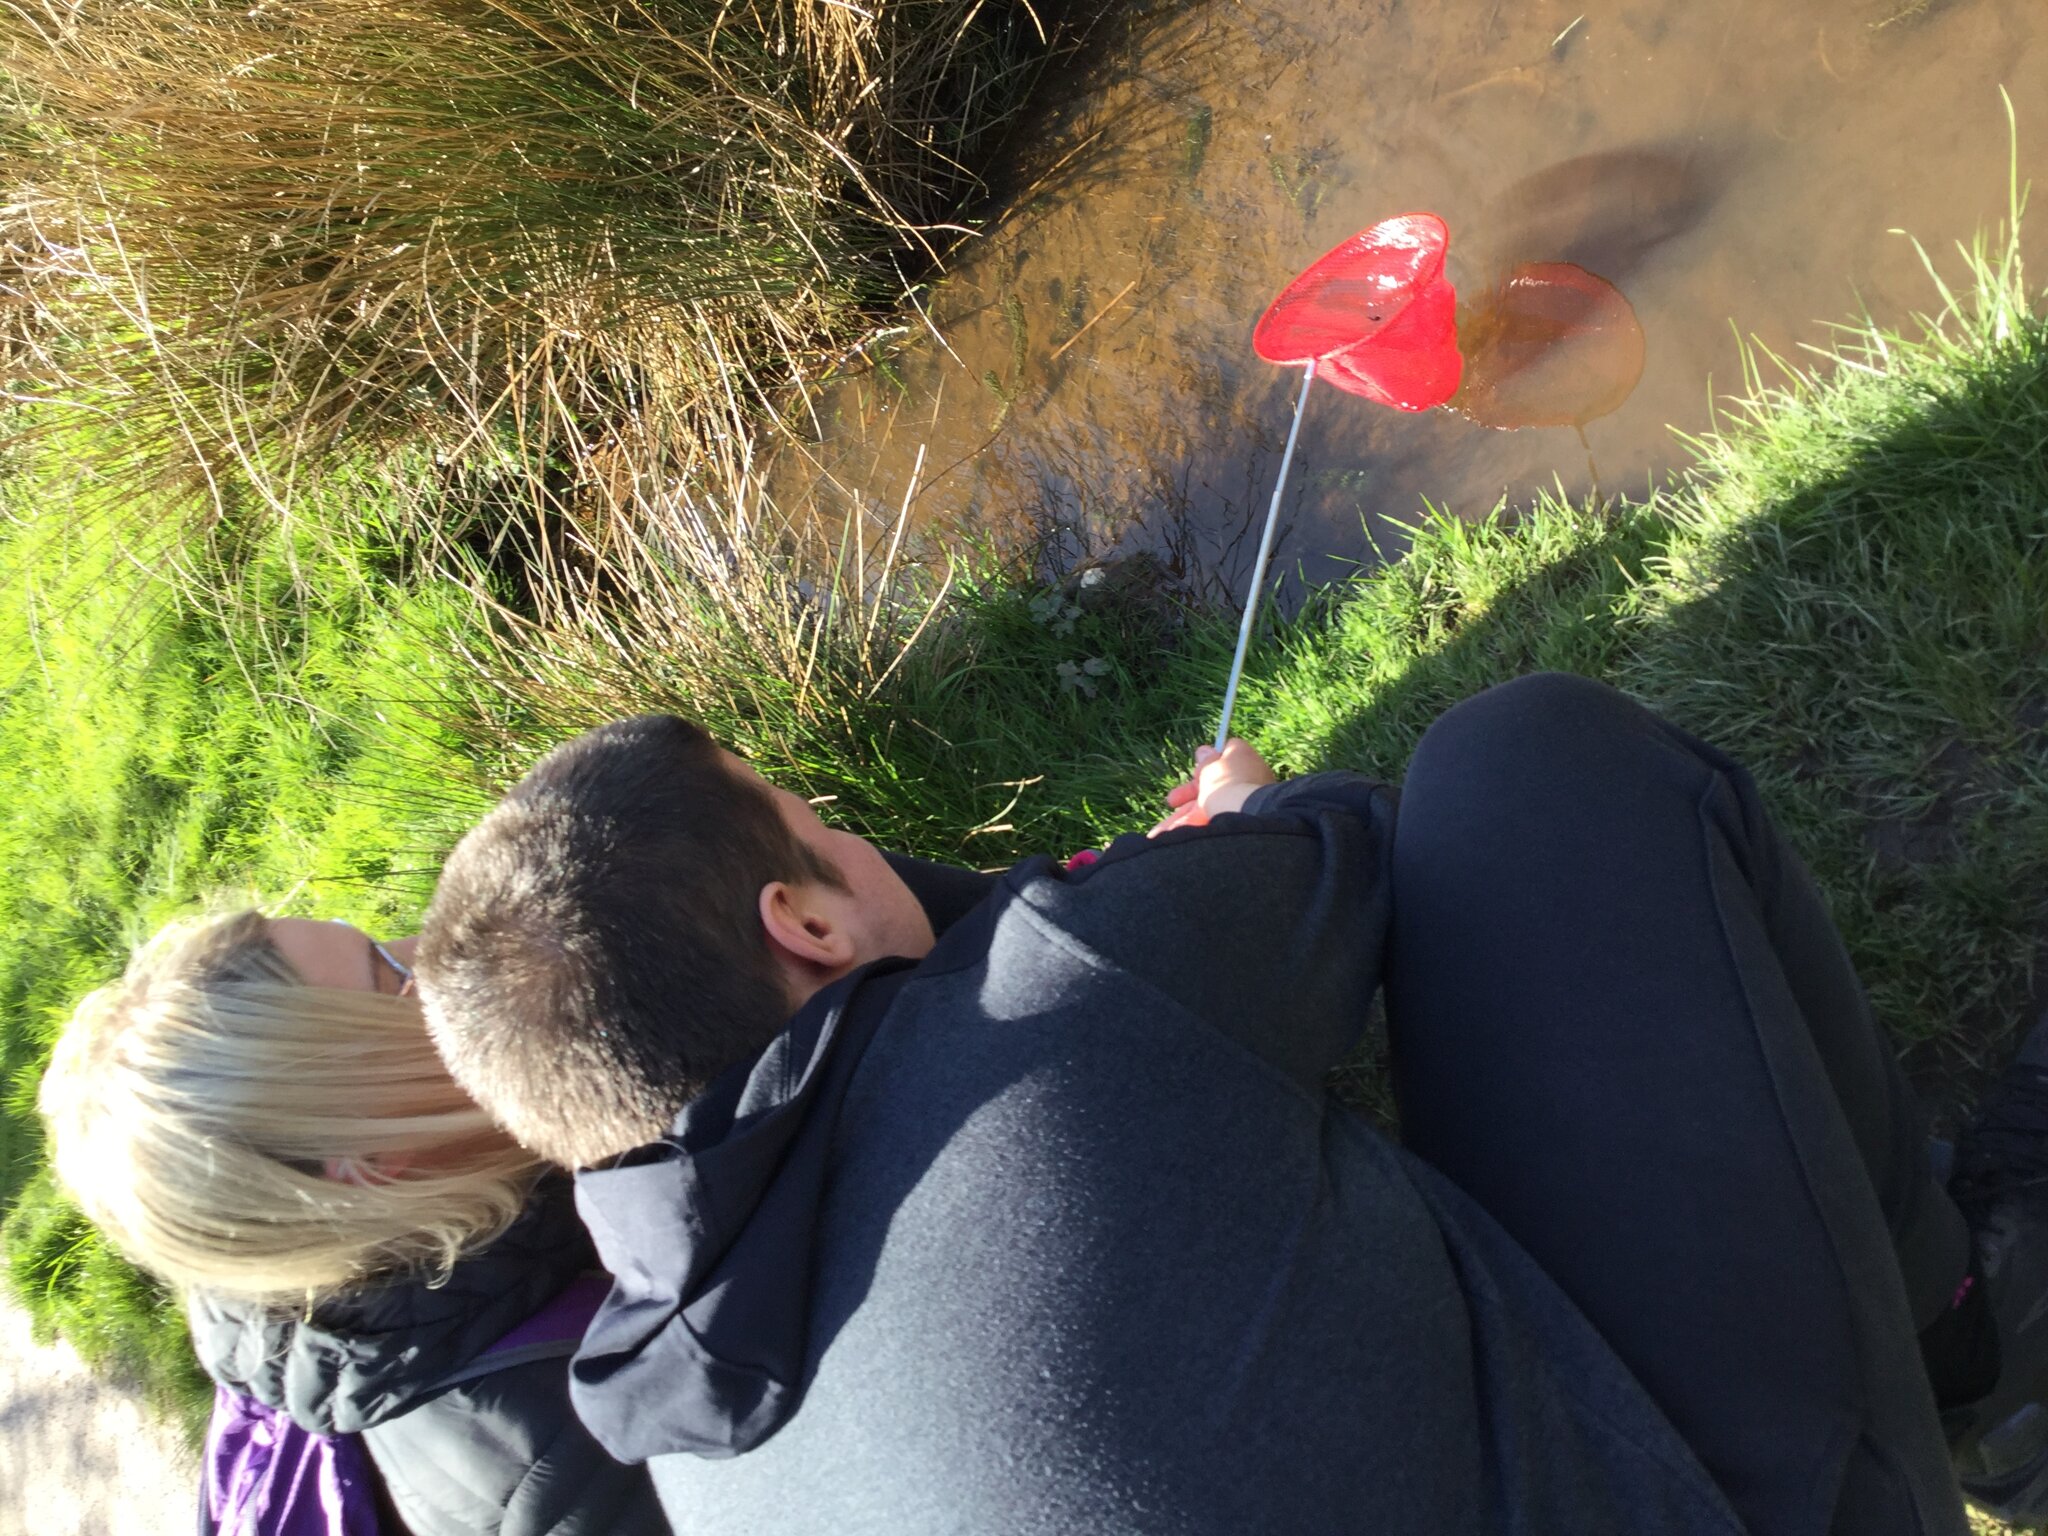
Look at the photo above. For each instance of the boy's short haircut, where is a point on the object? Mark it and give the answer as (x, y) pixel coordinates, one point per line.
(594, 954)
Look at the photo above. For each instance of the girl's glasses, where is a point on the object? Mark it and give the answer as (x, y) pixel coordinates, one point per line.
(399, 967)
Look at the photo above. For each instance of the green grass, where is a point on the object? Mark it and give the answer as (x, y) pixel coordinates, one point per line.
(1849, 591)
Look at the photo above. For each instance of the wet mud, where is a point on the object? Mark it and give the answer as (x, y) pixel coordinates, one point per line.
(1082, 380)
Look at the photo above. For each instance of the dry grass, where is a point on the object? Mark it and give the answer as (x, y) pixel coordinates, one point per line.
(272, 230)
(682, 585)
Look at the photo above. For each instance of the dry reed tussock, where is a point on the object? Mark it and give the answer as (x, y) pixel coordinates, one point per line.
(695, 592)
(299, 224)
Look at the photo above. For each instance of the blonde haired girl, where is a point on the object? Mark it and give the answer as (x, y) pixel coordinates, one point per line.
(256, 1114)
(233, 1126)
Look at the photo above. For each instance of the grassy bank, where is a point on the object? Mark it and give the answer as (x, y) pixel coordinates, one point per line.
(1849, 591)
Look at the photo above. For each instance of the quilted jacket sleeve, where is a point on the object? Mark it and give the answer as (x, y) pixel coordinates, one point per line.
(504, 1455)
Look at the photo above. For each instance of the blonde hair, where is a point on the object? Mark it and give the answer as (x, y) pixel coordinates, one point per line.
(194, 1106)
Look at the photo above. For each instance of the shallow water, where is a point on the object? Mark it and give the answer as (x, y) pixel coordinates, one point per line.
(1084, 371)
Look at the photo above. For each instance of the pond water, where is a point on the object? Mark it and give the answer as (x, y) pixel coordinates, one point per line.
(1084, 373)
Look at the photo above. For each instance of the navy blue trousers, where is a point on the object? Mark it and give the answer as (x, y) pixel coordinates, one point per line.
(1620, 1018)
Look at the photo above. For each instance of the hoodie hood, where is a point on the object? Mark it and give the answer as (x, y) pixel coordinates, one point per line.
(709, 1235)
(367, 1355)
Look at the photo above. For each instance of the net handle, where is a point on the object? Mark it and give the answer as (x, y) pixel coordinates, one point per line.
(1251, 601)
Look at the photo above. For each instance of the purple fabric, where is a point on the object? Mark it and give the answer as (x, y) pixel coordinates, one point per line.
(265, 1476)
(561, 1320)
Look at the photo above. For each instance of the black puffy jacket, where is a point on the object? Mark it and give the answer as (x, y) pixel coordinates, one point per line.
(500, 1454)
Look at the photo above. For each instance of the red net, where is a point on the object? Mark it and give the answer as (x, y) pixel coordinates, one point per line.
(1376, 315)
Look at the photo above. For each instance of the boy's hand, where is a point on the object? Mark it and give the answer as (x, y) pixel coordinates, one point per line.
(1223, 781)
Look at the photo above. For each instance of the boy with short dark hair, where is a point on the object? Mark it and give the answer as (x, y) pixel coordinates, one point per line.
(1033, 1214)
(619, 877)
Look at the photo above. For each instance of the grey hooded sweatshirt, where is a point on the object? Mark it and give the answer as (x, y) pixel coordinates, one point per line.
(1058, 1232)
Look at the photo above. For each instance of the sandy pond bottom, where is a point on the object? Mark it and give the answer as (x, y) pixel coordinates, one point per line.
(1736, 170)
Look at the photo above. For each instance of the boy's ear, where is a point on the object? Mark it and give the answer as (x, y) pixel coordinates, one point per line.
(803, 928)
